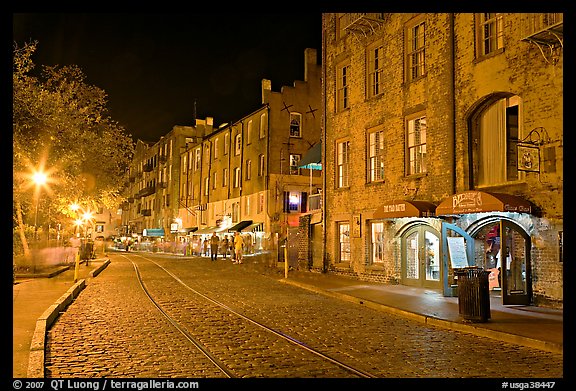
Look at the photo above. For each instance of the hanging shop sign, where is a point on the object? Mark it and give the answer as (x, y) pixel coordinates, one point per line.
(528, 158)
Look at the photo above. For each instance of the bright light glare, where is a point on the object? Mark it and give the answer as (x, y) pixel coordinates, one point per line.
(39, 178)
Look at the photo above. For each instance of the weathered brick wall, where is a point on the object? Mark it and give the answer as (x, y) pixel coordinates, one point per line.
(449, 105)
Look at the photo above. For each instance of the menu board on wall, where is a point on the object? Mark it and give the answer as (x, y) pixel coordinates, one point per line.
(457, 252)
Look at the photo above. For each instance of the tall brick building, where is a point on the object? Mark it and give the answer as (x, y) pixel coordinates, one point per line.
(244, 176)
(442, 148)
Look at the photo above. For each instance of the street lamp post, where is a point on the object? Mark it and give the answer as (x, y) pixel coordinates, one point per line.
(39, 178)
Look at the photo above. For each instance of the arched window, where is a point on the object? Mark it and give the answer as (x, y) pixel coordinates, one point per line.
(495, 135)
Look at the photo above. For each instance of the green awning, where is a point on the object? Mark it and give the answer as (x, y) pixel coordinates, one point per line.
(312, 160)
(153, 232)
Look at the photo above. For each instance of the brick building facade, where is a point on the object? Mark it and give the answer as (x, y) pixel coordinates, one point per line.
(443, 149)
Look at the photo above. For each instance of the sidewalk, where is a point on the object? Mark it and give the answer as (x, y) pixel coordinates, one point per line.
(535, 327)
(31, 297)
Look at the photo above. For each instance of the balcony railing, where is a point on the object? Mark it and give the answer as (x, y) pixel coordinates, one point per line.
(147, 167)
(146, 212)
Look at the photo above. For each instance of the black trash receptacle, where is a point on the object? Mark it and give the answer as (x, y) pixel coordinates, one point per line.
(473, 293)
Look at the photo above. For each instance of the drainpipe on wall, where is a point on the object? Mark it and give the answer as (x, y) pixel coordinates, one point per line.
(452, 135)
(324, 257)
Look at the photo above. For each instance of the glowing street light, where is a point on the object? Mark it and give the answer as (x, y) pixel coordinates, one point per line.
(39, 178)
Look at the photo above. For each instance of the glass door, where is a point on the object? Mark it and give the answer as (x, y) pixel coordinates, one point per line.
(515, 265)
(421, 260)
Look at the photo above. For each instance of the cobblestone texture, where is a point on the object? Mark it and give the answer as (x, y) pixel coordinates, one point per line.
(113, 330)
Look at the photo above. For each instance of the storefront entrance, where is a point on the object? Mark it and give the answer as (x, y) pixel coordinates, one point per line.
(505, 253)
(421, 258)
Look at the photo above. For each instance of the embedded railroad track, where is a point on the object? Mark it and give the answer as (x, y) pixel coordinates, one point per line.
(235, 344)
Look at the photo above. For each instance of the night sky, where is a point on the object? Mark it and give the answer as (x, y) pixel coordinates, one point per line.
(155, 66)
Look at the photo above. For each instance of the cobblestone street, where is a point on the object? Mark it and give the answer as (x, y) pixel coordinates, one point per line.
(113, 330)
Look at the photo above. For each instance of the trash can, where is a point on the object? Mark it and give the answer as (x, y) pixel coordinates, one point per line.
(473, 293)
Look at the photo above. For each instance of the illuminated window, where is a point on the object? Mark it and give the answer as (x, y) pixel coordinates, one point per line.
(342, 163)
(416, 145)
(248, 169)
(496, 133)
(238, 144)
(262, 165)
(237, 177)
(294, 161)
(263, 125)
(344, 242)
(295, 124)
(376, 156)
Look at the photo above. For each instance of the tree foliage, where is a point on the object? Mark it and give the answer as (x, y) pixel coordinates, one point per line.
(61, 125)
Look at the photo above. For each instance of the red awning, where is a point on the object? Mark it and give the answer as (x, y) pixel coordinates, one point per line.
(402, 208)
(479, 201)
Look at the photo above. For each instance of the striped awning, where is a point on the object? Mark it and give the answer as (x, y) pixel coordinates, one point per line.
(254, 227)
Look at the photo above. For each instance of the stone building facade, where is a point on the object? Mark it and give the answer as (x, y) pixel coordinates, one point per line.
(244, 176)
(442, 149)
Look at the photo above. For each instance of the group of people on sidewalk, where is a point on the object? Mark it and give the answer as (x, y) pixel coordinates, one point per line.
(235, 246)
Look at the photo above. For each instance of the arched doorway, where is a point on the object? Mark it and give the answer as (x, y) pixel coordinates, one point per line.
(421, 257)
(503, 248)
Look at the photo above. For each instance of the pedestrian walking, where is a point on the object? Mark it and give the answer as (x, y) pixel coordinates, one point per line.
(238, 246)
(206, 247)
(214, 244)
(224, 246)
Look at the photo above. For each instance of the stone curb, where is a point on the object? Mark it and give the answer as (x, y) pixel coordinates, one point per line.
(37, 346)
(432, 321)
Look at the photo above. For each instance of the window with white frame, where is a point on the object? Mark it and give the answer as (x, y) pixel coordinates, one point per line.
(490, 32)
(215, 180)
(376, 156)
(378, 242)
(216, 148)
(238, 144)
(226, 143)
(416, 145)
(294, 161)
(416, 51)
(375, 70)
(342, 87)
(261, 165)
(225, 177)
(263, 125)
(342, 163)
(295, 124)
(197, 161)
(344, 242)
(206, 185)
(248, 173)
(237, 177)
